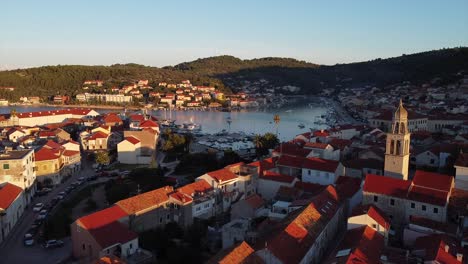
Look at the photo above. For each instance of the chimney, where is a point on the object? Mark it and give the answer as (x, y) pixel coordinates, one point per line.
(460, 257)
(447, 248)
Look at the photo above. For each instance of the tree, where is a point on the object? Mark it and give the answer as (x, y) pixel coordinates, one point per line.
(264, 143)
(102, 157)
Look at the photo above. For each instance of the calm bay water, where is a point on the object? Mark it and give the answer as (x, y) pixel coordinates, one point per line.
(253, 121)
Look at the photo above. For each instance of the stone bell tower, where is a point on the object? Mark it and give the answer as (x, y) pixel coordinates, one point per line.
(398, 143)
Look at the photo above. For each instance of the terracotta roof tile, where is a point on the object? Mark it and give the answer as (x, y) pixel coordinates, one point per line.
(200, 186)
(433, 180)
(274, 176)
(113, 233)
(294, 241)
(46, 154)
(386, 185)
(132, 140)
(255, 201)
(222, 175)
(434, 246)
(8, 194)
(98, 134)
(102, 218)
(315, 145)
(364, 244)
(145, 200)
(234, 255)
(149, 123)
(320, 164)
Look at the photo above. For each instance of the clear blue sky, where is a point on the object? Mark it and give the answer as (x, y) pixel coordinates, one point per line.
(159, 33)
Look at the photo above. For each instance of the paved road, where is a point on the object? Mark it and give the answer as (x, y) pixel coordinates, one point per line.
(13, 250)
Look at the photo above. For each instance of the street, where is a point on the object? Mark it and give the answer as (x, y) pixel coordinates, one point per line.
(13, 251)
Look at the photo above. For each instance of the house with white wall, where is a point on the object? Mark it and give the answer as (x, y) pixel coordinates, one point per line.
(321, 171)
(12, 205)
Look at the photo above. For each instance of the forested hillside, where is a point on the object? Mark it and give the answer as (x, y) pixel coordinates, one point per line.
(230, 74)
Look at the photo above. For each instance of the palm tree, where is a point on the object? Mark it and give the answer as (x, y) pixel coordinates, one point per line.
(259, 145)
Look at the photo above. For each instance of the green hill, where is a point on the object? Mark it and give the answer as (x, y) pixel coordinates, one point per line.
(230, 73)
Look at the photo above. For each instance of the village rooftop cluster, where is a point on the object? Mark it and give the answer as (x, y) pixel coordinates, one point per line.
(375, 193)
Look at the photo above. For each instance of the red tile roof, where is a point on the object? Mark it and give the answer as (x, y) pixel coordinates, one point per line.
(149, 123)
(426, 195)
(290, 161)
(98, 134)
(348, 186)
(292, 149)
(434, 246)
(137, 118)
(339, 143)
(222, 175)
(109, 260)
(386, 185)
(263, 165)
(200, 186)
(46, 154)
(308, 187)
(112, 118)
(8, 194)
(321, 133)
(255, 201)
(69, 153)
(53, 145)
(113, 233)
(320, 164)
(365, 245)
(379, 216)
(46, 134)
(425, 191)
(433, 180)
(73, 111)
(234, 255)
(274, 176)
(315, 145)
(294, 241)
(132, 140)
(145, 200)
(102, 218)
(181, 197)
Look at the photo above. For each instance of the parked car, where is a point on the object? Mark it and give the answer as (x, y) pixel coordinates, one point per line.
(42, 215)
(81, 179)
(38, 207)
(28, 240)
(53, 243)
(61, 195)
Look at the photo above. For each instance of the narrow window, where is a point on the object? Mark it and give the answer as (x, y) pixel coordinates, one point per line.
(376, 198)
(413, 205)
(436, 210)
(423, 207)
(392, 202)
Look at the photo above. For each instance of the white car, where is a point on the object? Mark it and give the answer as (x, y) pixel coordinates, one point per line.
(42, 215)
(38, 207)
(28, 240)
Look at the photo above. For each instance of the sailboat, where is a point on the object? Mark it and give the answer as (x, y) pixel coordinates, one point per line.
(168, 122)
(192, 126)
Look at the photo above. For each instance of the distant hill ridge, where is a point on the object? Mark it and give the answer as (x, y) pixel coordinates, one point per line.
(229, 73)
